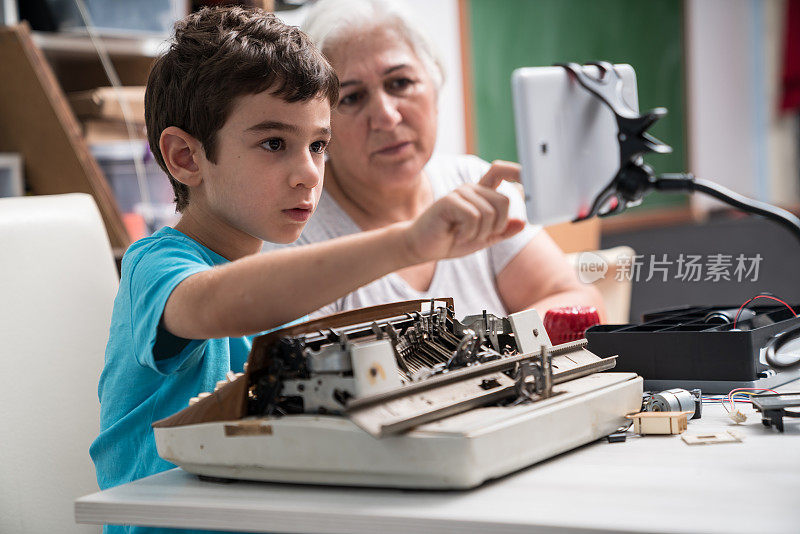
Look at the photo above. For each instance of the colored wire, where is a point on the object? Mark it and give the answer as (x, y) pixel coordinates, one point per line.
(721, 400)
(744, 391)
(760, 296)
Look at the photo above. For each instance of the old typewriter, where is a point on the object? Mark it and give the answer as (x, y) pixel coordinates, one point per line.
(400, 395)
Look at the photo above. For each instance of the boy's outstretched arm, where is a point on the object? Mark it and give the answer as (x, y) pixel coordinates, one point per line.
(263, 291)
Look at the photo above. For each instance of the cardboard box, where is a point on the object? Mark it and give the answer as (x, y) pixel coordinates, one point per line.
(104, 103)
(98, 131)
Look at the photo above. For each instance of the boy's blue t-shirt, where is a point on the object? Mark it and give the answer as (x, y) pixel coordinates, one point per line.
(150, 374)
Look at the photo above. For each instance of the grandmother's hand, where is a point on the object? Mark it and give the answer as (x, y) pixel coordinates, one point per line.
(470, 218)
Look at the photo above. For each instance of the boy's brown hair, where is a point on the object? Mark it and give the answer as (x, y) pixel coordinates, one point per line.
(218, 54)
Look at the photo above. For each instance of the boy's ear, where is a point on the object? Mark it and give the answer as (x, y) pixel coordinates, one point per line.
(181, 153)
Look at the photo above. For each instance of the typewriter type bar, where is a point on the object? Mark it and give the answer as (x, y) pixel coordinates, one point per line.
(480, 385)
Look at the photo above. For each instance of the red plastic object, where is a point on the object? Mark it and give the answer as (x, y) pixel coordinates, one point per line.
(569, 323)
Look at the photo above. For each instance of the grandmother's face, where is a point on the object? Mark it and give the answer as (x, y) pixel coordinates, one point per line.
(384, 127)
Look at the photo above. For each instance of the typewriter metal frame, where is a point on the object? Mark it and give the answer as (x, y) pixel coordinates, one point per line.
(400, 395)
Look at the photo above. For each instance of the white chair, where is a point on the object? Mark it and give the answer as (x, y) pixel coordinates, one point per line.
(616, 290)
(57, 286)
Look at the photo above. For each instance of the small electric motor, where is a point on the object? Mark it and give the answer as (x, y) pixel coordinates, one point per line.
(675, 400)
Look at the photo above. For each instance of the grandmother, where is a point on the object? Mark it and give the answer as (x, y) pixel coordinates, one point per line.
(380, 171)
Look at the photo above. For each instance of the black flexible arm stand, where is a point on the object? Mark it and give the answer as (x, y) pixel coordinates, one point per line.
(687, 182)
(635, 178)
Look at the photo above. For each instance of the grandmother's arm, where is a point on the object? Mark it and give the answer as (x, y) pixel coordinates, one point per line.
(540, 277)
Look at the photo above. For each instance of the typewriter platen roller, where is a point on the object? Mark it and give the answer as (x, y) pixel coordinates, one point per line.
(401, 395)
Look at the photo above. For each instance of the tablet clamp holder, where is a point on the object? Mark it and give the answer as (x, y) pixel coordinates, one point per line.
(635, 178)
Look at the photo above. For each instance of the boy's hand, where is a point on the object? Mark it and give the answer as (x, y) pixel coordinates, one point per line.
(472, 217)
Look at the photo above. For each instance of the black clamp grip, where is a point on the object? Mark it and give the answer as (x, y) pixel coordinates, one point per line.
(634, 178)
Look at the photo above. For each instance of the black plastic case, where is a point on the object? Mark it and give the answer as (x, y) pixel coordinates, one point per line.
(690, 345)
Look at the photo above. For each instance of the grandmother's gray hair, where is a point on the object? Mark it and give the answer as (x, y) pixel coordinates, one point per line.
(330, 20)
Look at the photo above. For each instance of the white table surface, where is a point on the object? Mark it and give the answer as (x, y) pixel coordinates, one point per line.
(647, 484)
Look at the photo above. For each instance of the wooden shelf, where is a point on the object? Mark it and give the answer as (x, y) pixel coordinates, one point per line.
(63, 44)
(37, 122)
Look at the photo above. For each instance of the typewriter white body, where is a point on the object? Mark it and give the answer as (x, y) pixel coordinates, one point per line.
(410, 400)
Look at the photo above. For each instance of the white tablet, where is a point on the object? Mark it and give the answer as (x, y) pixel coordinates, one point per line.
(566, 140)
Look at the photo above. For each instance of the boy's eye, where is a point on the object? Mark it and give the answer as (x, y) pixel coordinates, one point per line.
(273, 145)
(318, 147)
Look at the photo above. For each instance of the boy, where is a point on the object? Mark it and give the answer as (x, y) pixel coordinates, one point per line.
(237, 114)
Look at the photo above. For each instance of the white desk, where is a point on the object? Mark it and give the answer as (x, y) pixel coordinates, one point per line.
(647, 484)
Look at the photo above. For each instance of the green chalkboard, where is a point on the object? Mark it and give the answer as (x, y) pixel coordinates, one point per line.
(508, 34)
